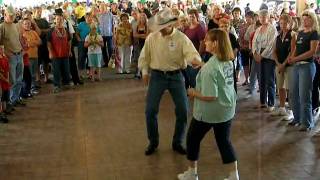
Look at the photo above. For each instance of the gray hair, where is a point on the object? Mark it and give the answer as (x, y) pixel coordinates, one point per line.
(265, 13)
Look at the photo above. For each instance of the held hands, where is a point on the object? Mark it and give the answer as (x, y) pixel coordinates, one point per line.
(292, 60)
(191, 93)
(257, 57)
(281, 68)
(197, 64)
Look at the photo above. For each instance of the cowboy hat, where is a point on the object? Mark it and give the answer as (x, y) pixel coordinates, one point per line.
(162, 19)
(58, 12)
(10, 11)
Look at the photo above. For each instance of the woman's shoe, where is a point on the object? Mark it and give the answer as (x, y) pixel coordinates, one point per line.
(293, 123)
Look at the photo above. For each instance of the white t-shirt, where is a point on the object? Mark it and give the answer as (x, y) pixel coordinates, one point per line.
(94, 49)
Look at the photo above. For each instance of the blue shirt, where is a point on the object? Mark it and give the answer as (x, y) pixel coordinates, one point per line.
(106, 24)
(84, 30)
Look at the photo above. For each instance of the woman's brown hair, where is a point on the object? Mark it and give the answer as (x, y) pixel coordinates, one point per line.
(223, 50)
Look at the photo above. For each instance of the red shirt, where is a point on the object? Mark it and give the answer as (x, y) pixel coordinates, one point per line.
(4, 69)
(196, 35)
(60, 44)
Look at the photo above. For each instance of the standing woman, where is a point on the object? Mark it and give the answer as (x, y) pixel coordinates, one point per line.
(214, 19)
(140, 34)
(262, 44)
(225, 23)
(284, 45)
(214, 105)
(244, 45)
(124, 43)
(196, 33)
(301, 77)
(316, 81)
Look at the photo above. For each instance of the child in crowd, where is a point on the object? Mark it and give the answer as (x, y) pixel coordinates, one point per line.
(94, 43)
(33, 41)
(5, 85)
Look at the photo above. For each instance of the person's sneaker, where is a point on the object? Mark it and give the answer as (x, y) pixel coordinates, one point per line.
(315, 114)
(281, 111)
(188, 175)
(270, 109)
(233, 176)
(293, 123)
(248, 96)
(34, 92)
(276, 112)
(20, 103)
(289, 116)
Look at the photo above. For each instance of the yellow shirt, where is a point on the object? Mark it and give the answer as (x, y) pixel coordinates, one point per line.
(124, 35)
(169, 53)
(80, 11)
(32, 39)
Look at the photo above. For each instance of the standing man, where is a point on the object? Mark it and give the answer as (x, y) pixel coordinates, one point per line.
(10, 38)
(106, 26)
(59, 46)
(43, 52)
(166, 74)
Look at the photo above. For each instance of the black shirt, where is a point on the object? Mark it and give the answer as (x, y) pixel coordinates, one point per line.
(147, 12)
(283, 47)
(303, 42)
(234, 43)
(212, 25)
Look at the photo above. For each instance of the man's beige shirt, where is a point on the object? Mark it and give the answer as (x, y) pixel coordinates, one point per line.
(10, 37)
(167, 53)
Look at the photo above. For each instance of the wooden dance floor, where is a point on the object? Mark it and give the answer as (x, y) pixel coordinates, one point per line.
(98, 132)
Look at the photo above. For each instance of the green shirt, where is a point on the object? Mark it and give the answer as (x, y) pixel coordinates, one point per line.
(215, 79)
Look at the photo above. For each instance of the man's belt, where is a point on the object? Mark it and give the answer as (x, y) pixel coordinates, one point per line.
(16, 53)
(167, 72)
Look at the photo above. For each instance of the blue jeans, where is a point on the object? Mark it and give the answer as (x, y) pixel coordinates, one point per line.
(34, 70)
(254, 75)
(300, 91)
(160, 82)
(190, 75)
(61, 69)
(16, 76)
(267, 82)
(107, 49)
(82, 56)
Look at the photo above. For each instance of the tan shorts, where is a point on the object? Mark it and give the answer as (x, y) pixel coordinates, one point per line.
(282, 79)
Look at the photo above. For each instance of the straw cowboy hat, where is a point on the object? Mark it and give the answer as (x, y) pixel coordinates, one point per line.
(162, 19)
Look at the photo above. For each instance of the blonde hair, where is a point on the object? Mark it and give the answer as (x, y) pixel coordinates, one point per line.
(224, 50)
(314, 18)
